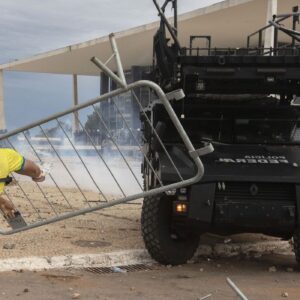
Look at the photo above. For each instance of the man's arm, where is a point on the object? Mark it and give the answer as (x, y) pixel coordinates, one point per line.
(29, 169)
(16, 163)
(32, 170)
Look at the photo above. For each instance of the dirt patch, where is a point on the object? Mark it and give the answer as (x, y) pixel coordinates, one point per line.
(112, 229)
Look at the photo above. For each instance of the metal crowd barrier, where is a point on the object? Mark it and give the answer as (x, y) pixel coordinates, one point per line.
(113, 172)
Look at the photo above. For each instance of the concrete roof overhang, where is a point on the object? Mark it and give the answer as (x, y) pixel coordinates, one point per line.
(228, 22)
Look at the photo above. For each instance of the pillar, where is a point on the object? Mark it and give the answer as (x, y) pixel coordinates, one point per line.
(2, 113)
(104, 84)
(75, 123)
(269, 34)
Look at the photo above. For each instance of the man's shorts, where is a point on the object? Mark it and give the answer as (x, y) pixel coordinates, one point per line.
(10, 161)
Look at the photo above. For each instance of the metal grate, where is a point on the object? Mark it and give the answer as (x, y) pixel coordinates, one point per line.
(238, 191)
(121, 269)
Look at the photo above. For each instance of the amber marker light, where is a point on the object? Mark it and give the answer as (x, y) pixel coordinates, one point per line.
(181, 208)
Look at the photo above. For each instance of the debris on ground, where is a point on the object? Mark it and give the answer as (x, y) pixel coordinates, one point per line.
(272, 269)
(227, 241)
(118, 270)
(183, 276)
(26, 290)
(284, 295)
(206, 297)
(9, 246)
(76, 296)
(236, 289)
(18, 271)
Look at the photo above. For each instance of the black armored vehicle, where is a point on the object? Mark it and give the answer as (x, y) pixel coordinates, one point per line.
(246, 102)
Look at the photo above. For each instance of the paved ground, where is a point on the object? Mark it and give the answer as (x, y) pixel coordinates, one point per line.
(192, 281)
(112, 229)
(118, 228)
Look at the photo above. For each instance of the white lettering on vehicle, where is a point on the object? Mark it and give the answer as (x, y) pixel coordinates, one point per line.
(256, 159)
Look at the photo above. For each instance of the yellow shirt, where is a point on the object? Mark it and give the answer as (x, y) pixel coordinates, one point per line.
(10, 161)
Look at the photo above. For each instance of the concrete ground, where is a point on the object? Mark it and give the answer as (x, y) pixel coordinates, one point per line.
(192, 281)
(248, 259)
(117, 229)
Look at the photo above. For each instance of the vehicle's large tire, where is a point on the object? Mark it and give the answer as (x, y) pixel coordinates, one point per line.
(296, 242)
(163, 244)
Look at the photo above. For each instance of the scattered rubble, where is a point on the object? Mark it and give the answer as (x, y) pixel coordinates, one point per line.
(76, 296)
(206, 297)
(236, 289)
(9, 246)
(272, 269)
(118, 270)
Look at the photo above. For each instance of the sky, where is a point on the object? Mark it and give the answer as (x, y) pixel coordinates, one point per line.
(29, 27)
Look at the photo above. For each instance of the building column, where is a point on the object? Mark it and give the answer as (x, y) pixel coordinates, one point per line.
(75, 122)
(269, 35)
(104, 84)
(104, 89)
(2, 113)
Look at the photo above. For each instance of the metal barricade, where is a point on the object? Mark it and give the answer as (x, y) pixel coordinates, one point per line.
(92, 168)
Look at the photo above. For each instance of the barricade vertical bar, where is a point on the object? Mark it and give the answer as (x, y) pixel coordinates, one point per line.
(53, 180)
(118, 59)
(9, 199)
(40, 189)
(103, 160)
(122, 81)
(157, 136)
(24, 193)
(27, 196)
(79, 156)
(67, 169)
(139, 145)
(113, 140)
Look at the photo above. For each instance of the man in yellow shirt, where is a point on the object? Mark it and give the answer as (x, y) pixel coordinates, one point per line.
(12, 161)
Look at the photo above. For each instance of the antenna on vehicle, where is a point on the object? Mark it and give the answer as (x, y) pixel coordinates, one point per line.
(172, 29)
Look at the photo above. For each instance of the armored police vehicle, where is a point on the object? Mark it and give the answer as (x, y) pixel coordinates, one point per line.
(246, 103)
